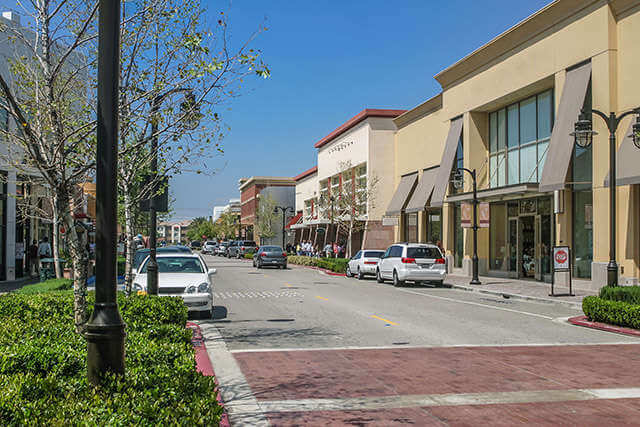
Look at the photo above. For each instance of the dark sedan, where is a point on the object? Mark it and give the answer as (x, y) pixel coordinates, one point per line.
(270, 255)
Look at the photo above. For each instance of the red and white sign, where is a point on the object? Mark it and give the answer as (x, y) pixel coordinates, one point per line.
(484, 215)
(466, 215)
(561, 258)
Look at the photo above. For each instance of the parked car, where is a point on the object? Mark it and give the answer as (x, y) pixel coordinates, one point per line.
(270, 255)
(230, 248)
(182, 275)
(416, 262)
(142, 254)
(241, 247)
(221, 250)
(364, 262)
(209, 247)
(195, 245)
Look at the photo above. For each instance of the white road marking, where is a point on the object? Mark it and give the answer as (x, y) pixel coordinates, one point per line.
(526, 313)
(392, 347)
(412, 401)
(234, 389)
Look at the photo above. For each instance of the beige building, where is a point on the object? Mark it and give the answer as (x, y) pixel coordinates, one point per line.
(355, 160)
(507, 110)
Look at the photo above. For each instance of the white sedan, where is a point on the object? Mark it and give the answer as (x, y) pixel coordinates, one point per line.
(364, 262)
(181, 275)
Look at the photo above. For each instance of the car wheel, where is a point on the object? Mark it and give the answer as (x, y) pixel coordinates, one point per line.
(254, 262)
(360, 275)
(438, 282)
(397, 282)
(348, 272)
(379, 276)
(284, 267)
(259, 265)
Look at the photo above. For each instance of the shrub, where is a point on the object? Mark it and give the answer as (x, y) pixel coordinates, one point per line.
(43, 366)
(630, 294)
(337, 265)
(248, 256)
(121, 265)
(47, 286)
(612, 312)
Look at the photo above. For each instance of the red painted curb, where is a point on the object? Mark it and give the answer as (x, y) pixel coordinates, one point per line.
(204, 366)
(583, 321)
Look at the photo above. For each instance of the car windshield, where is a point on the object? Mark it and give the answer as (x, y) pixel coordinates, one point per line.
(271, 248)
(177, 265)
(373, 254)
(211, 243)
(141, 254)
(423, 253)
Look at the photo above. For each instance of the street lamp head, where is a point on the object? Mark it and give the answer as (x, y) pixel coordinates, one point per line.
(275, 210)
(457, 179)
(583, 133)
(635, 134)
(191, 111)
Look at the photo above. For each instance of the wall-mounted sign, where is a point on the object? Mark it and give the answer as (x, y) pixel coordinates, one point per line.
(339, 147)
(390, 221)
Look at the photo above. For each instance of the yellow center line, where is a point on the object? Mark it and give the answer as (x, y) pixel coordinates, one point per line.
(322, 298)
(288, 284)
(384, 320)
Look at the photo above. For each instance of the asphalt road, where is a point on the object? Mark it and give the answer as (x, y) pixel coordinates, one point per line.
(300, 347)
(304, 308)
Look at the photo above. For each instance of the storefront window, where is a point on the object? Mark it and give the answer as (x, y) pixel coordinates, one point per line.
(498, 236)
(411, 227)
(519, 139)
(458, 163)
(434, 226)
(458, 237)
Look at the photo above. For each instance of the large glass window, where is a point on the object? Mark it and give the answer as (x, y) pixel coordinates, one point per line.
(411, 227)
(458, 237)
(519, 139)
(458, 163)
(499, 256)
(434, 226)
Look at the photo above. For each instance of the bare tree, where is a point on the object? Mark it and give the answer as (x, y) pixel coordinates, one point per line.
(349, 205)
(266, 217)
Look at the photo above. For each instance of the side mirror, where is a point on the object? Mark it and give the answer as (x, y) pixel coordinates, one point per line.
(212, 271)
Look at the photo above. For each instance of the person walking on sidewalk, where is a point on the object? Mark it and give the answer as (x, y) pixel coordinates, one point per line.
(44, 250)
(33, 259)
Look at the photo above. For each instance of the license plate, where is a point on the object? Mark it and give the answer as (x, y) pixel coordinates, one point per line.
(426, 265)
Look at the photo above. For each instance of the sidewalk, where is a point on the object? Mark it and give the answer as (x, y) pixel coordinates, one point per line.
(12, 285)
(520, 289)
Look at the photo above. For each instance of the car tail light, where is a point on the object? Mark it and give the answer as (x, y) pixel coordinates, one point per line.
(284, 254)
(242, 248)
(439, 260)
(408, 260)
(371, 262)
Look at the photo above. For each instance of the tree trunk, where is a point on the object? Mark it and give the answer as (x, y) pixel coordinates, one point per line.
(55, 237)
(80, 262)
(349, 238)
(129, 249)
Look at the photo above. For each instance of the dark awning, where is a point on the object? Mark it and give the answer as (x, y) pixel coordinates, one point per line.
(627, 161)
(448, 156)
(556, 165)
(402, 194)
(423, 191)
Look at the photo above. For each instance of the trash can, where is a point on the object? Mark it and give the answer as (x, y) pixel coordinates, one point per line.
(47, 270)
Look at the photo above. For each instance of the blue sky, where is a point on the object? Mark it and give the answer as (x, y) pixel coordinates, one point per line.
(329, 60)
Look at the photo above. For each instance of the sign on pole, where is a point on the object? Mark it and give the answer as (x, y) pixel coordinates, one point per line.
(561, 264)
(466, 215)
(484, 215)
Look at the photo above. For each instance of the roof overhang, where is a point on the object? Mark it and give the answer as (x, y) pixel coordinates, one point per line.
(355, 120)
(495, 194)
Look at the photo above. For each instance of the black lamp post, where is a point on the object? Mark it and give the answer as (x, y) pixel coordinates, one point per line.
(583, 136)
(457, 181)
(284, 210)
(106, 330)
(188, 123)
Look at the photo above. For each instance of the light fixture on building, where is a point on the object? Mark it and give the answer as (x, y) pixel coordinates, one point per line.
(583, 132)
(635, 134)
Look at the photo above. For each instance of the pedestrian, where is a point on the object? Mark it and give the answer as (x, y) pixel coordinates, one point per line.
(33, 258)
(44, 250)
(298, 249)
(335, 249)
(327, 250)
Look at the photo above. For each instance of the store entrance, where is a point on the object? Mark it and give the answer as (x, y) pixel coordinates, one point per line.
(527, 250)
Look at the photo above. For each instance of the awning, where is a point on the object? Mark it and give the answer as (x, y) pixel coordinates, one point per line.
(627, 161)
(556, 164)
(402, 194)
(448, 156)
(293, 221)
(423, 191)
(491, 194)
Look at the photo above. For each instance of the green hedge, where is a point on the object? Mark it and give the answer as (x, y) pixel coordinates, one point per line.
(630, 294)
(337, 265)
(611, 312)
(47, 286)
(121, 265)
(43, 366)
(248, 256)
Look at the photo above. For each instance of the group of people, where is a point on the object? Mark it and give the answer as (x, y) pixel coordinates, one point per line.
(37, 252)
(330, 250)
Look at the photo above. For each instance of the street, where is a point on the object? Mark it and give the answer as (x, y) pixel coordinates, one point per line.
(298, 346)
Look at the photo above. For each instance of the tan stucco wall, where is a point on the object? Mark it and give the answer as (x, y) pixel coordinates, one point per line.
(381, 163)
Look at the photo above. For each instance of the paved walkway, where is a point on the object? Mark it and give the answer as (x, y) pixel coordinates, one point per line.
(523, 289)
(12, 285)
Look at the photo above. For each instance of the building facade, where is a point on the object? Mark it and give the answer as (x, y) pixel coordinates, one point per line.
(279, 191)
(507, 111)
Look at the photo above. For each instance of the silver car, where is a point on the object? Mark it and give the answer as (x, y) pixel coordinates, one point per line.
(364, 262)
(415, 262)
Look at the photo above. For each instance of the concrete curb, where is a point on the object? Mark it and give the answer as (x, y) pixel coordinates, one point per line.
(583, 321)
(323, 270)
(204, 366)
(479, 289)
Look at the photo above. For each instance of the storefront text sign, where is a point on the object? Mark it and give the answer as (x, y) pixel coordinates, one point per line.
(561, 258)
